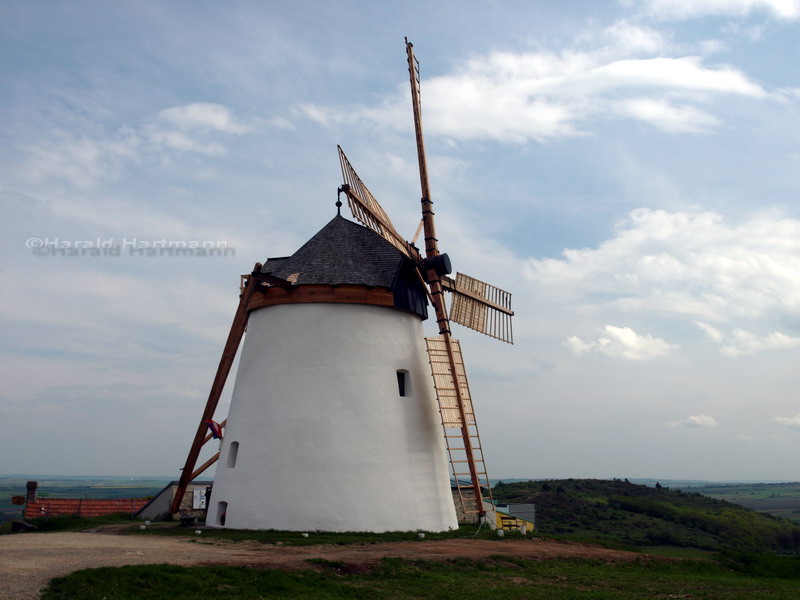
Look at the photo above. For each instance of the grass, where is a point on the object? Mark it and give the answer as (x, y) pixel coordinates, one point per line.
(462, 579)
(128, 526)
(675, 552)
(272, 536)
(71, 523)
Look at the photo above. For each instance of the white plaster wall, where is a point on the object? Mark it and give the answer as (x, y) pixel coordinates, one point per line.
(325, 440)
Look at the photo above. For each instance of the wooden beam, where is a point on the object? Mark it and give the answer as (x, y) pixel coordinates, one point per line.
(226, 362)
(272, 280)
(205, 465)
(337, 294)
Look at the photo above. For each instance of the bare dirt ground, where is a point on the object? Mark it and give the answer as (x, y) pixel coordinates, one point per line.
(30, 560)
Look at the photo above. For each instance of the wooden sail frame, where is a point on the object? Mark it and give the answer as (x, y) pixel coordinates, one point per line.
(434, 280)
(481, 306)
(366, 208)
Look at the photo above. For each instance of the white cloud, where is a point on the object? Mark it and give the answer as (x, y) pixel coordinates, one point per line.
(686, 73)
(742, 342)
(84, 160)
(685, 263)
(202, 115)
(622, 342)
(626, 37)
(695, 422)
(715, 335)
(80, 160)
(687, 9)
(180, 141)
(793, 422)
(515, 97)
(665, 116)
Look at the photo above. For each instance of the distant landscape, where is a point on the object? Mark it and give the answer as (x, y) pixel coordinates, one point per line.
(79, 486)
(624, 514)
(780, 499)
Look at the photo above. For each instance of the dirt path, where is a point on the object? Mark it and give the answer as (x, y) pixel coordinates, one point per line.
(30, 560)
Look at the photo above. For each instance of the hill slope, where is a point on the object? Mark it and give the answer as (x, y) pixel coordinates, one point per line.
(625, 513)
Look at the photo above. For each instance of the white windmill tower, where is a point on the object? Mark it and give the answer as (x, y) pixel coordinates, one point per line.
(335, 421)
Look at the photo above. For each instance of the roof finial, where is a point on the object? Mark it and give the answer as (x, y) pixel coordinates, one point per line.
(338, 199)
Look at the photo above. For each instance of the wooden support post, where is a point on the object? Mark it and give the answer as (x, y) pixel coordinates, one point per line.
(204, 466)
(226, 362)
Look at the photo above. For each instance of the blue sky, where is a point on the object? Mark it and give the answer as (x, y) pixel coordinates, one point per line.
(628, 170)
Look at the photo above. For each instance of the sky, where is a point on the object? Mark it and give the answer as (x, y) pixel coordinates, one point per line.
(628, 170)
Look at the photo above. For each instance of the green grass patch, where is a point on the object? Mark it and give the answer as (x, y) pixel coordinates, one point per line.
(676, 552)
(460, 579)
(296, 538)
(72, 523)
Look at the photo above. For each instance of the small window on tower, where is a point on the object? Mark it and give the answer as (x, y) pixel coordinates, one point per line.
(233, 452)
(403, 382)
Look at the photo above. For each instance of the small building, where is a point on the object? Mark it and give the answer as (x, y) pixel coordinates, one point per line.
(193, 504)
(36, 508)
(516, 516)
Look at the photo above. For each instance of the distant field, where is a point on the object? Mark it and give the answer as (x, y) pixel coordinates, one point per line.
(74, 487)
(777, 499)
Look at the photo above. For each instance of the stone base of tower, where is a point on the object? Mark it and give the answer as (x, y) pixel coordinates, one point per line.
(466, 511)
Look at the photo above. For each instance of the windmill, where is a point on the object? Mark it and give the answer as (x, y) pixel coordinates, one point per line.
(311, 404)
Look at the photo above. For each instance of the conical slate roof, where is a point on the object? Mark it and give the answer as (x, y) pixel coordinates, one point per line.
(342, 252)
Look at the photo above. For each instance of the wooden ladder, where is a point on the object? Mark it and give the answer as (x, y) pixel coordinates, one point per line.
(459, 433)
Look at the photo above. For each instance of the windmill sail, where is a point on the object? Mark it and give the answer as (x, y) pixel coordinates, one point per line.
(481, 306)
(366, 209)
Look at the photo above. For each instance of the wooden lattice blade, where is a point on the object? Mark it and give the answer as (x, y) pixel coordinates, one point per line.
(367, 210)
(481, 306)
